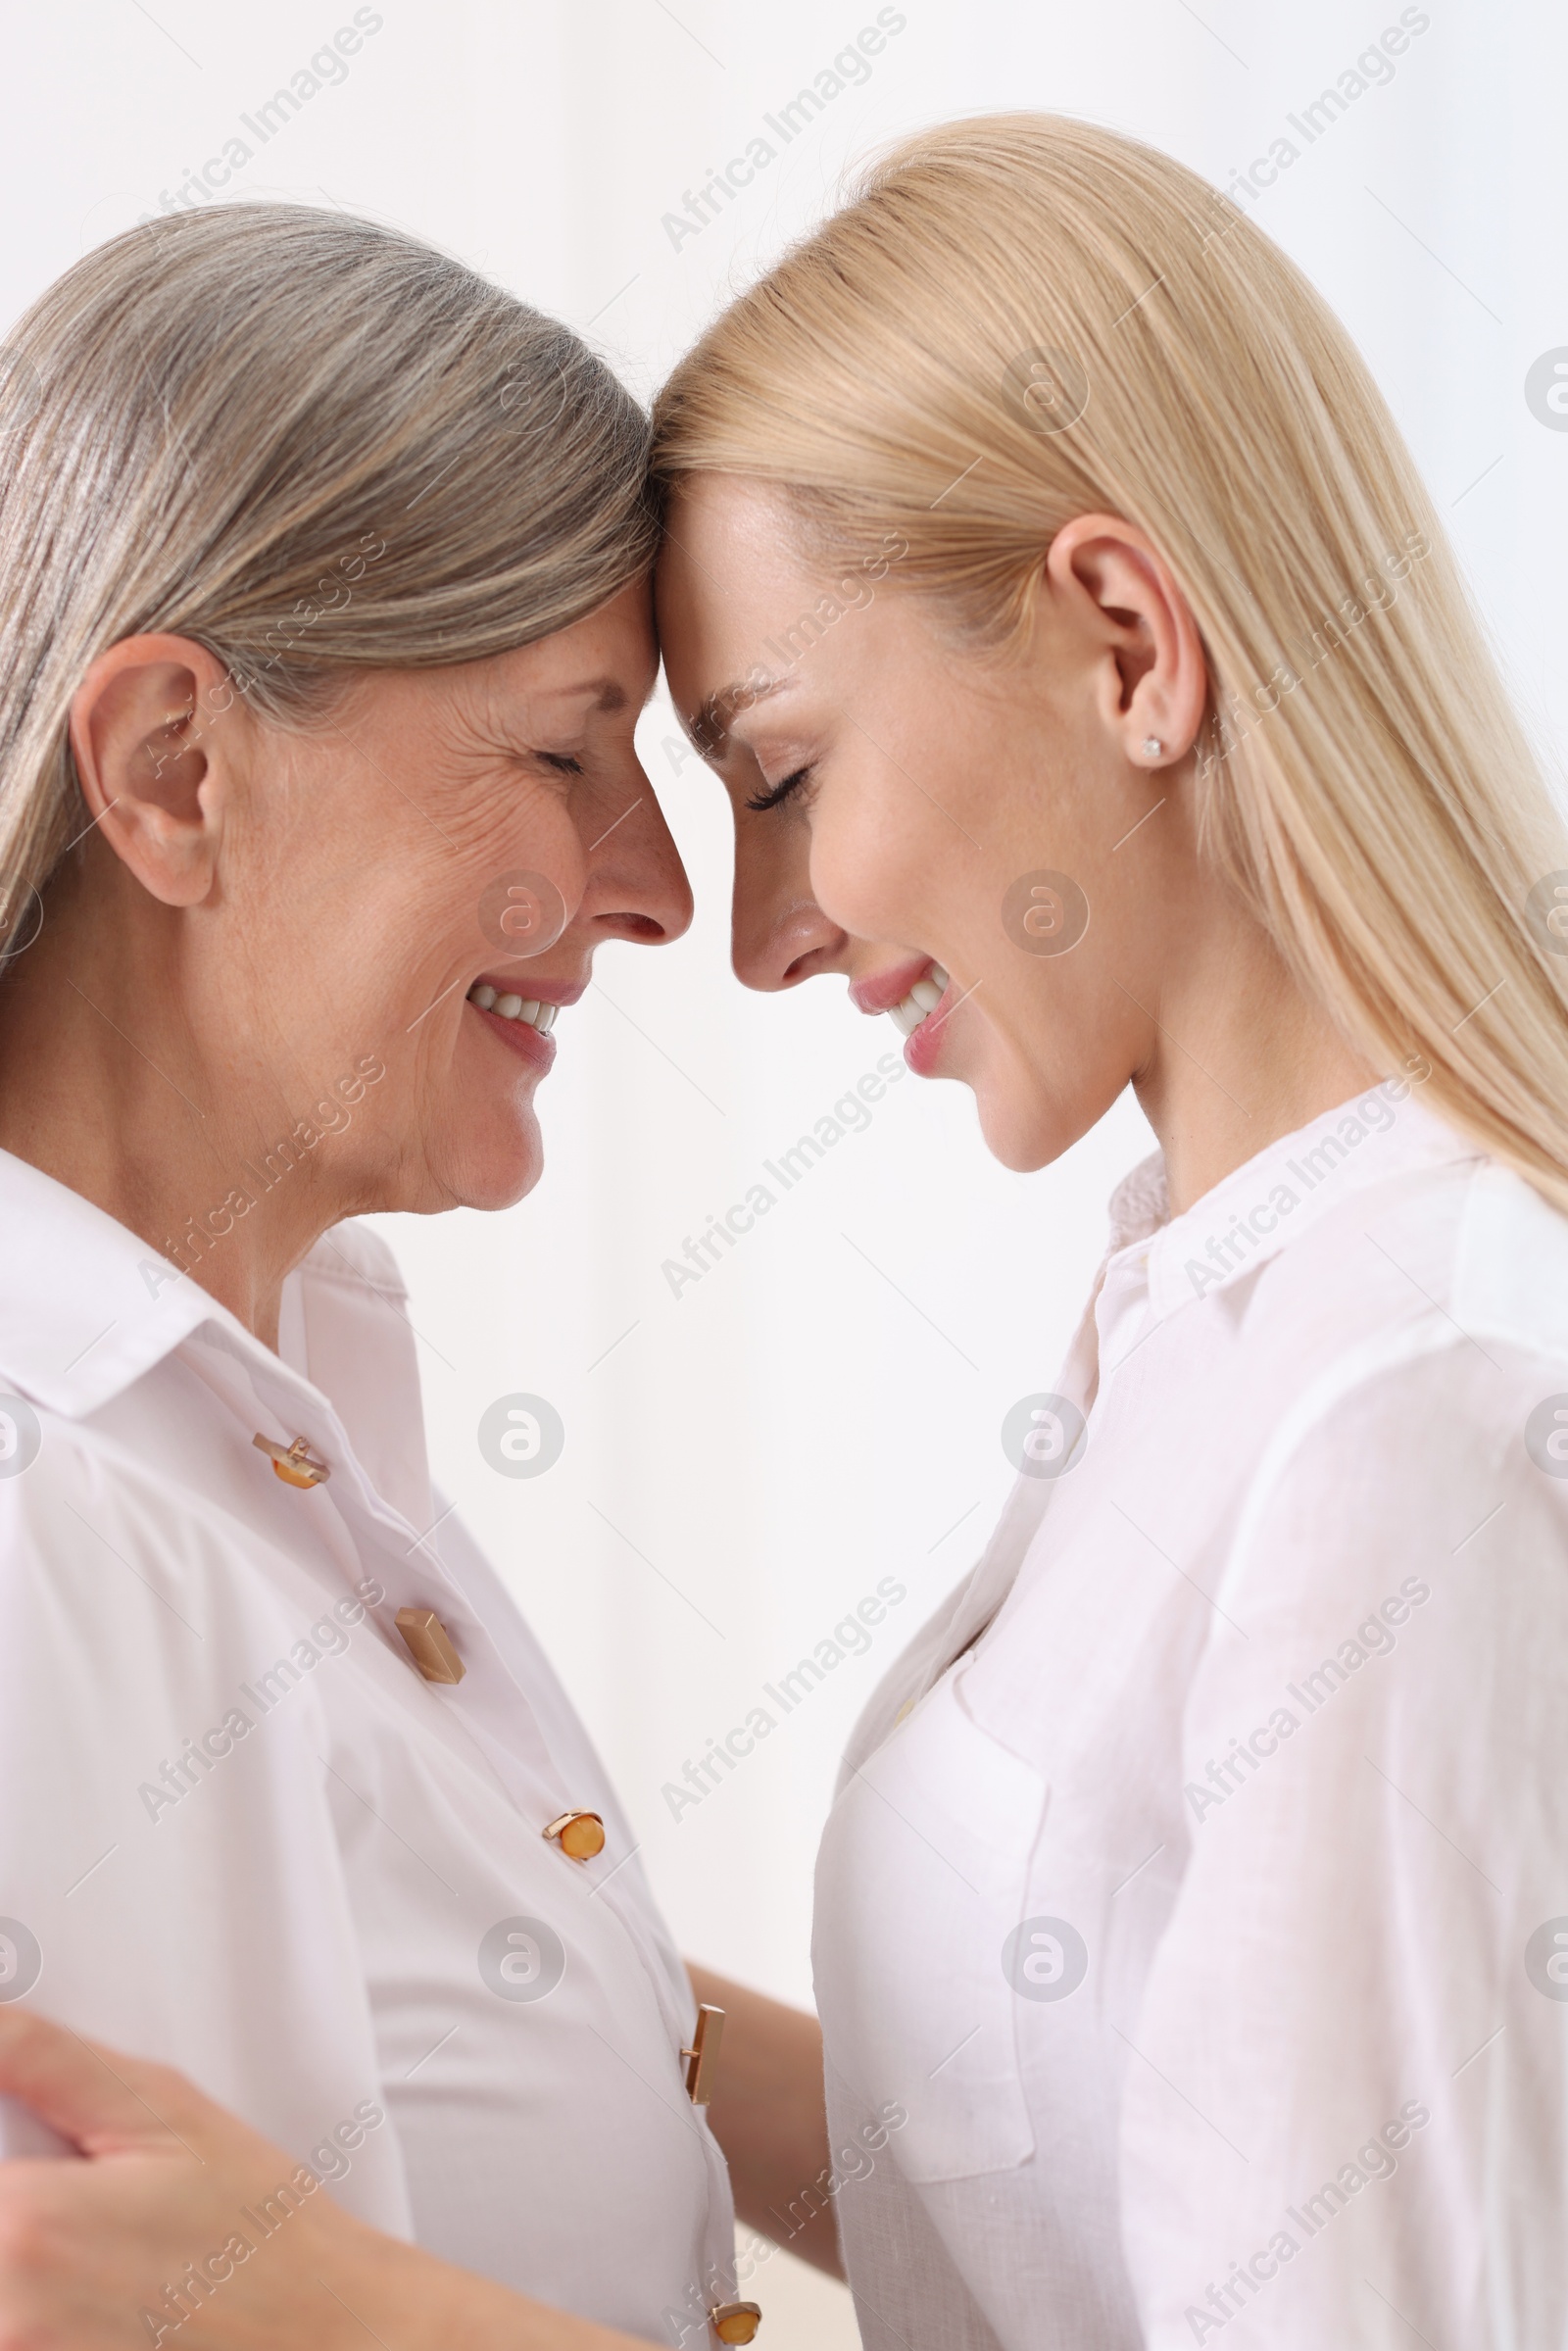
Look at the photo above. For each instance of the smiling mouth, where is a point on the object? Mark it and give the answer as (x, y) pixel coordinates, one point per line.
(920, 1002)
(537, 1015)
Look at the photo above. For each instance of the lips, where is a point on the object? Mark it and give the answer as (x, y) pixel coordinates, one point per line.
(912, 995)
(925, 1043)
(521, 1022)
(880, 990)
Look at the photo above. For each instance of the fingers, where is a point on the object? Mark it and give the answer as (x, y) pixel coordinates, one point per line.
(102, 2102)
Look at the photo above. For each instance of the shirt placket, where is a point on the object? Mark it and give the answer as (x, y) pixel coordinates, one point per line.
(488, 1702)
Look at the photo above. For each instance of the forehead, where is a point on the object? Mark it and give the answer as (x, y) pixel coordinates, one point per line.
(730, 545)
(613, 647)
(730, 567)
(602, 665)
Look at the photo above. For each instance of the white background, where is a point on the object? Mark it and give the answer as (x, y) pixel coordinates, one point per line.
(743, 1463)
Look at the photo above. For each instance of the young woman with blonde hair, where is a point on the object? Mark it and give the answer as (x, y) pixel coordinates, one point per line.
(1195, 1886)
(1196, 1880)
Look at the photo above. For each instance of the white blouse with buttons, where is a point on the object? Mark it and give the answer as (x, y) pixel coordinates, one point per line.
(1197, 1882)
(293, 1800)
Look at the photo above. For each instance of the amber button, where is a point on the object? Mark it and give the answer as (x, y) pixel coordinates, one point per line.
(736, 2322)
(579, 1834)
(701, 2058)
(429, 1644)
(294, 1463)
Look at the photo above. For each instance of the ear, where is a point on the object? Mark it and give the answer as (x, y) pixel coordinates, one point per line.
(1151, 677)
(152, 729)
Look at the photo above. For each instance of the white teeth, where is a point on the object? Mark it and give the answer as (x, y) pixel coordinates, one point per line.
(540, 1016)
(922, 1001)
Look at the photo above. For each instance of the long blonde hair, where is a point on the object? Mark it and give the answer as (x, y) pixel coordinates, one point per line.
(1020, 319)
(308, 442)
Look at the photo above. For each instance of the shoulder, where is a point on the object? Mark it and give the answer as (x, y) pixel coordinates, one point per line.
(130, 1512)
(1413, 1347)
(129, 1602)
(1447, 1262)
(1511, 1265)
(1435, 1450)
(1472, 1312)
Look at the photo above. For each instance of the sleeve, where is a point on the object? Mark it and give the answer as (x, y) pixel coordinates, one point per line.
(170, 1879)
(1344, 2122)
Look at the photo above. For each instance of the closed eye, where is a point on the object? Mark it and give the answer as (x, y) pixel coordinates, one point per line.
(561, 760)
(777, 794)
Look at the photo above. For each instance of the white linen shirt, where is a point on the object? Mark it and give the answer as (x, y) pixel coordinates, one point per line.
(1209, 1915)
(310, 1910)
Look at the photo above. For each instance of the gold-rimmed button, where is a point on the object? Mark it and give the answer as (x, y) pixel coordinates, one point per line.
(294, 1463)
(701, 2058)
(736, 2322)
(579, 1834)
(429, 1644)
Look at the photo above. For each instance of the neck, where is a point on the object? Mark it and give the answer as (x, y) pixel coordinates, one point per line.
(1244, 1057)
(104, 1087)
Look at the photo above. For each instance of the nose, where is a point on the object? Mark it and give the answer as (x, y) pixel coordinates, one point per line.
(637, 886)
(779, 935)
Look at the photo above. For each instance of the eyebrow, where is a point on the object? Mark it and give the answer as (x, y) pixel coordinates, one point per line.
(608, 692)
(711, 727)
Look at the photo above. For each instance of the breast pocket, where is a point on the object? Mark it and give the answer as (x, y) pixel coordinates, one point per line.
(920, 1892)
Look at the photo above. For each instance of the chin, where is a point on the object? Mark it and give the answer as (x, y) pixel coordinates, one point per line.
(1017, 1147)
(490, 1170)
(1020, 1130)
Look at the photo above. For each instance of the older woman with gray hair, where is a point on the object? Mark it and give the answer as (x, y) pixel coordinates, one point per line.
(324, 625)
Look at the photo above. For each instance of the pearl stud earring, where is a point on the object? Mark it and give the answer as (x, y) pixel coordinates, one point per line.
(1153, 747)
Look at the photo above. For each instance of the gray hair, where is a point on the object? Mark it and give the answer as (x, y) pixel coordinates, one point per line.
(312, 444)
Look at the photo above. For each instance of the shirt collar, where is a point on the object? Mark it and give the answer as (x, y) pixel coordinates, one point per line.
(86, 1307)
(1249, 1216)
(1139, 1203)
